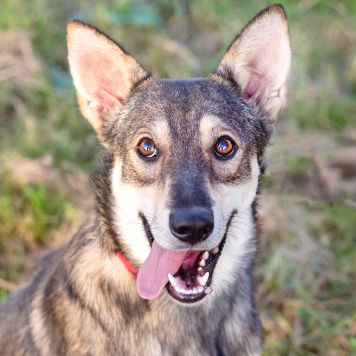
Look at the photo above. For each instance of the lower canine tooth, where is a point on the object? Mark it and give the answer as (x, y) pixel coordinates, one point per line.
(174, 281)
(208, 290)
(203, 279)
(215, 250)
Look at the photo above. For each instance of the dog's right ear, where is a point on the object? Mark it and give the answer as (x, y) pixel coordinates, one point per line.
(103, 72)
(258, 61)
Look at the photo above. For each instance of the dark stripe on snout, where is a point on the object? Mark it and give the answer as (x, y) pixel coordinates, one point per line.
(191, 217)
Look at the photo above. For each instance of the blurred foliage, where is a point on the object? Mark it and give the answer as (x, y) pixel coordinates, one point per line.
(34, 203)
(306, 266)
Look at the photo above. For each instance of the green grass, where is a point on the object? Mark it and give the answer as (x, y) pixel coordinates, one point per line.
(308, 281)
(306, 267)
(42, 210)
(30, 214)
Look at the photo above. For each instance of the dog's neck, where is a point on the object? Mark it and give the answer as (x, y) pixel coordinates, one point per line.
(129, 266)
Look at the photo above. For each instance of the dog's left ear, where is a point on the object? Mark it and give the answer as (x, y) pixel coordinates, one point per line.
(258, 60)
(104, 74)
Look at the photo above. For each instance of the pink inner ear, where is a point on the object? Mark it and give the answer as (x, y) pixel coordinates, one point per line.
(255, 86)
(251, 88)
(262, 70)
(103, 80)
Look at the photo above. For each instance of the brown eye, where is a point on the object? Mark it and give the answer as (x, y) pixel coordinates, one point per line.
(225, 147)
(146, 148)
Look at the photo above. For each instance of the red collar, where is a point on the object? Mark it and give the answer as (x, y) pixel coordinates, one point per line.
(127, 263)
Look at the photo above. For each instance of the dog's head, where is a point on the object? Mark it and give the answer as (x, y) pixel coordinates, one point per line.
(186, 152)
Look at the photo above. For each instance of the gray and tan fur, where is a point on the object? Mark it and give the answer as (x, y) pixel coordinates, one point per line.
(82, 300)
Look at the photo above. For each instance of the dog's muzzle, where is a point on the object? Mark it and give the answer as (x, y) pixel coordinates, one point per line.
(187, 274)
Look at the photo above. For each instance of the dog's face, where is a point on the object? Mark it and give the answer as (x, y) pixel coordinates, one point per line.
(186, 153)
(186, 168)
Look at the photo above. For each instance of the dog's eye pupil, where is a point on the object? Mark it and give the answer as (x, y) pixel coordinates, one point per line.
(225, 147)
(146, 148)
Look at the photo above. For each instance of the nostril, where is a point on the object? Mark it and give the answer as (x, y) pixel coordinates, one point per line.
(206, 230)
(182, 230)
(192, 225)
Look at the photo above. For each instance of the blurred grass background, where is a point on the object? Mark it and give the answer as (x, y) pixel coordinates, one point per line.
(306, 266)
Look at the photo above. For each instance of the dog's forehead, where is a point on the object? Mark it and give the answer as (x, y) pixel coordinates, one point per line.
(177, 108)
(190, 99)
(182, 104)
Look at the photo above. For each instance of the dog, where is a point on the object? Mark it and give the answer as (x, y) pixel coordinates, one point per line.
(163, 265)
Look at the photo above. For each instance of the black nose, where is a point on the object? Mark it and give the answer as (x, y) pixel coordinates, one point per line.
(191, 225)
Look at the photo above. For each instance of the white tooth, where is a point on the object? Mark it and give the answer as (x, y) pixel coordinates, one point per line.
(206, 255)
(202, 263)
(215, 250)
(199, 269)
(200, 289)
(208, 290)
(179, 289)
(195, 290)
(174, 281)
(187, 291)
(203, 279)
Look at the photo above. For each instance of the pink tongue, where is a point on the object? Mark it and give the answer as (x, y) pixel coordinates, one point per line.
(153, 274)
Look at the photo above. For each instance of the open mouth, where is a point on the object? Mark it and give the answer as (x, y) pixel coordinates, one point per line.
(186, 274)
(192, 281)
